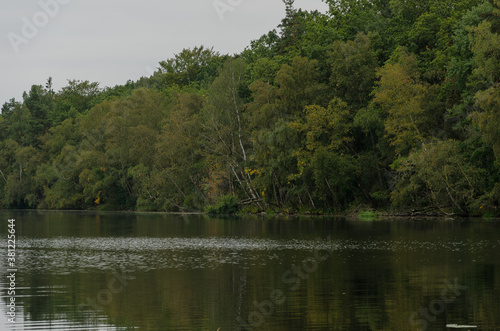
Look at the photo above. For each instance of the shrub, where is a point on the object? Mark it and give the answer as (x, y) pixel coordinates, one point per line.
(226, 204)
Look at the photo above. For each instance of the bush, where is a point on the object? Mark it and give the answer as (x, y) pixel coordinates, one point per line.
(368, 215)
(226, 204)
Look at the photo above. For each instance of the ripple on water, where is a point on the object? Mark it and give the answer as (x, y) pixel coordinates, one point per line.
(69, 254)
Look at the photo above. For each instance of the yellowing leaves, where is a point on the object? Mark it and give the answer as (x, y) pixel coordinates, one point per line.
(98, 200)
(407, 102)
(326, 127)
(253, 172)
(488, 120)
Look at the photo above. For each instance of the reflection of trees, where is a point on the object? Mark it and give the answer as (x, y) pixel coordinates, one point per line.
(379, 275)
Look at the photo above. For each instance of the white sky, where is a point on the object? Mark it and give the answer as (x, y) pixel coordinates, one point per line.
(113, 41)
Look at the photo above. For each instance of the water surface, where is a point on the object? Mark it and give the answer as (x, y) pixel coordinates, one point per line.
(125, 271)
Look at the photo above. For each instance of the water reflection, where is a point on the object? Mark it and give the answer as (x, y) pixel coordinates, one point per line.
(164, 272)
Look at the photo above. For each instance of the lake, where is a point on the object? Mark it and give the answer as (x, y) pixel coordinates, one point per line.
(147, 271)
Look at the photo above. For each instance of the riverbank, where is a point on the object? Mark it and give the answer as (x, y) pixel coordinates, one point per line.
(361, 214)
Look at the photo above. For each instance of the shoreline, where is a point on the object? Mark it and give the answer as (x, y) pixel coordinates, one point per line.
(364, 215)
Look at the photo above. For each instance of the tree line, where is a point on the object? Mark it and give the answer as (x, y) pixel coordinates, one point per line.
(383, 104)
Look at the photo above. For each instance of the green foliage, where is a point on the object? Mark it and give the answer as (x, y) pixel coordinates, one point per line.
(368, 215)
(439, 176)
(488, 118)
(376, 104)
(298, 87)
(486, 49)
(353, 70)
(190, 66)
(408, 101)
(225, 205)
(74, 99)
(324, 153)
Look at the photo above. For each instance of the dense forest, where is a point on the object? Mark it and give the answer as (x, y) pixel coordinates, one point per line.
(377, 104)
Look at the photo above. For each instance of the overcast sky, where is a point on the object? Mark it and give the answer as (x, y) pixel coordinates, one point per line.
(113, 41)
